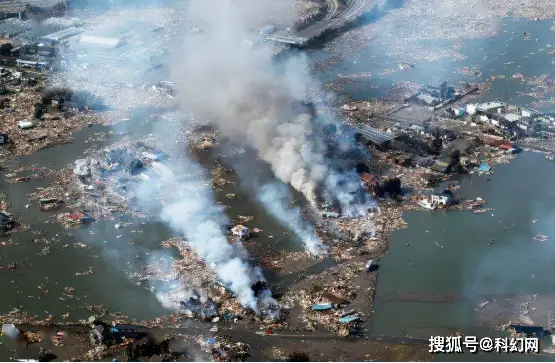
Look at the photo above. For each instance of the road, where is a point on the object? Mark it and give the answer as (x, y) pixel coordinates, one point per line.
(334, 19)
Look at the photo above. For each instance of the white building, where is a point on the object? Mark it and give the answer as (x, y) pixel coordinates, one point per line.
(471, 109)
(442, 199)
(491, 107)
(103, 42)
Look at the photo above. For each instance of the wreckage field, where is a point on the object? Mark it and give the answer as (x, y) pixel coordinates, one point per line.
(239, 211)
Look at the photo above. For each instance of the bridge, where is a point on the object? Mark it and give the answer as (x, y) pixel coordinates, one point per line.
(334, 19)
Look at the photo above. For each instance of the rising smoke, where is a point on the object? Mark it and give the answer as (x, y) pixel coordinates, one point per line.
(179, 194)
(189, 208)
(276, 198)
(240, 89)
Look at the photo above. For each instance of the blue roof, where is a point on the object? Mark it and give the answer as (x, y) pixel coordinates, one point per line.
(321, 307)
(349, 319)
(485, 166)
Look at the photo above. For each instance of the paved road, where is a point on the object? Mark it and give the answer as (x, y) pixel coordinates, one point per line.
(334, 19)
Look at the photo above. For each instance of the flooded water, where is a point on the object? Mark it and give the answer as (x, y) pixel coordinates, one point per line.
(504, 54)
(465, 270)
(441, 268)
(50, 260)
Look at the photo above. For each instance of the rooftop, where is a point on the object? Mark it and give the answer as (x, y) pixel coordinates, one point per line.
(427, 98)
(490, 105)
(103, 41)
(512, 117)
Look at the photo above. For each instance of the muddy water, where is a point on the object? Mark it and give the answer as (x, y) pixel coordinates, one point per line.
(112, 252)
(504, 54)
(448, 256)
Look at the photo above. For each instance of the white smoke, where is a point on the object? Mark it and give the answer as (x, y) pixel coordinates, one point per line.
(276, 197)
(188, 207)
(255, 101)
(241, 90)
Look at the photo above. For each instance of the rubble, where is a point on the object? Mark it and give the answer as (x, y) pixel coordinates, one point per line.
(6, 222)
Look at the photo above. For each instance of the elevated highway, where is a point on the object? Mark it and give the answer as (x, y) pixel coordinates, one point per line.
(336, 17)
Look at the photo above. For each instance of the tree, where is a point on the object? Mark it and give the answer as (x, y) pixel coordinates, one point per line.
(6, 49)
(298, 357)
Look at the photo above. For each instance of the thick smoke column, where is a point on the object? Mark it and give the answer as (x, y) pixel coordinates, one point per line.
(246, 95)
(275, 197)
(191, 211)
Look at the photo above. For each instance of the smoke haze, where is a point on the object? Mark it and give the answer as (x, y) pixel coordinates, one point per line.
(250, 100)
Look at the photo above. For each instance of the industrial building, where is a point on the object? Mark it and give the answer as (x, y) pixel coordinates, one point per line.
(54, 39)
(102, 42)
(36, 63)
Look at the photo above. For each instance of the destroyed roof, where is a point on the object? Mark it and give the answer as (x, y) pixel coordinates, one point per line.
(430, 100)
(368, 178)
(12, 27)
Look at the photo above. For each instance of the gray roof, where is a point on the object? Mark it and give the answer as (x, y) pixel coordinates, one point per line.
(374, 135)
(63, 34)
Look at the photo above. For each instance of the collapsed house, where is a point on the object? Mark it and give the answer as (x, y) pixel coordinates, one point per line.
(195, 307)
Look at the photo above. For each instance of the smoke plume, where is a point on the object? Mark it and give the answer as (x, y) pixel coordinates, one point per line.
(188, 207)
(276, 197)
(250, 99)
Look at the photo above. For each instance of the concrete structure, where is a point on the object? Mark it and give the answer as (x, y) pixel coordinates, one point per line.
(374, 135)
(333, 20)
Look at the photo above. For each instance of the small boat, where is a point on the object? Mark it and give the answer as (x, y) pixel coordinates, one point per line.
(424, 203)
(550, 157)
(541, 237)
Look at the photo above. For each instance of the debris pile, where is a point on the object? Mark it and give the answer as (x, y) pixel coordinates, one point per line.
(223, 350)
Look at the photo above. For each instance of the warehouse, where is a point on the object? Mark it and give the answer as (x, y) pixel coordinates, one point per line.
(102, 42)
(54, 39)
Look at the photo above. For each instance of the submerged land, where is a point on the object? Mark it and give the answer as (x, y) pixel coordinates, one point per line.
(77, 153)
